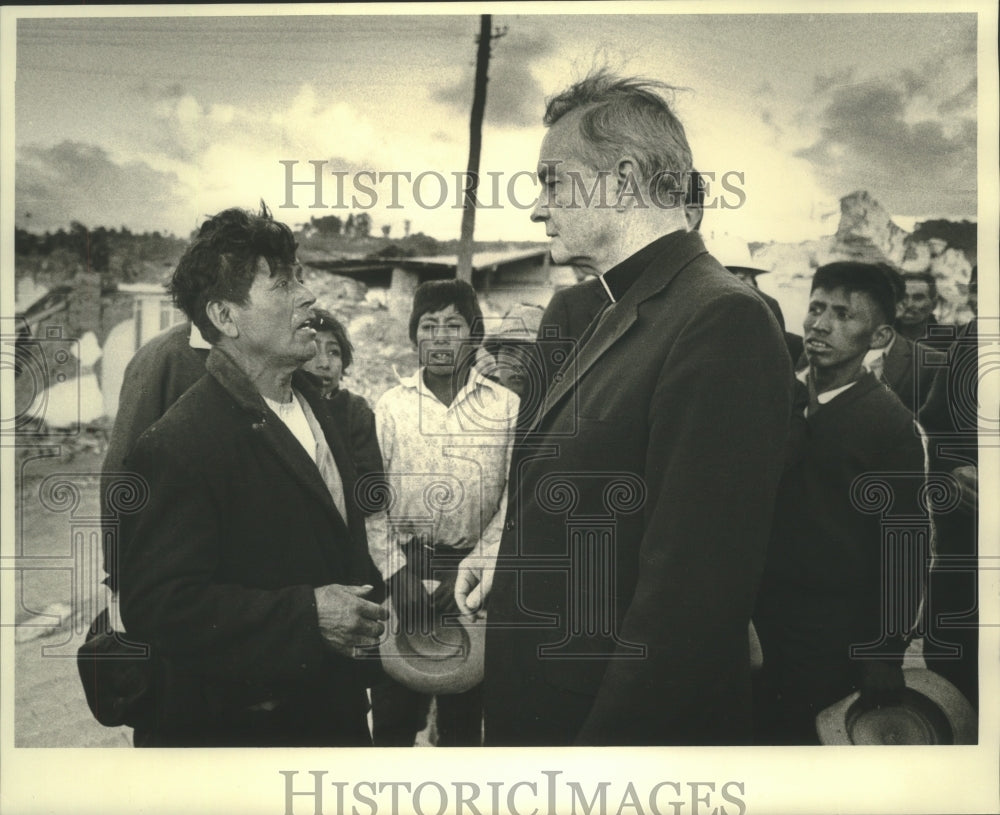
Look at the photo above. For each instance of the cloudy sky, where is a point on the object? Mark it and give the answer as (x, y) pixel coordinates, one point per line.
(154, 122)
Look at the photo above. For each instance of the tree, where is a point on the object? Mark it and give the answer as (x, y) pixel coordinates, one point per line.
(362, 225)
(327, 225)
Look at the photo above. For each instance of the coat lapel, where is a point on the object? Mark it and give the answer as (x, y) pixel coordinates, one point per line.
(336, 440)
(273, 432)
(615, 325)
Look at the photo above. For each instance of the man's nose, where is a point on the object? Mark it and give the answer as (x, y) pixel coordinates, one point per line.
(541, 211)
(306, 297)
(821, 323)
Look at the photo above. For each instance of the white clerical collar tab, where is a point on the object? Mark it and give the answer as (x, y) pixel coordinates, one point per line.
(607, 288)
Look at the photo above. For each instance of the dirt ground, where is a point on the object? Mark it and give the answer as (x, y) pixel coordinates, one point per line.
(55, 516)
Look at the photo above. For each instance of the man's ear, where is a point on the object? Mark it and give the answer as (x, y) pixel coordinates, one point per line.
(626, 167)
(628, 183)
(220, 312)
(881, 337)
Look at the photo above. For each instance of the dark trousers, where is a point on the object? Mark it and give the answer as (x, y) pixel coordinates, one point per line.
(399, 713)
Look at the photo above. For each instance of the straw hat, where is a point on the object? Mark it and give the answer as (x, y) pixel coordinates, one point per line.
(931, 711)
(519, 326)
(733, 253)
(448, 658)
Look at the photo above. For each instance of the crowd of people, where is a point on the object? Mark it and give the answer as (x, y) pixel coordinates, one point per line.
(670, 526)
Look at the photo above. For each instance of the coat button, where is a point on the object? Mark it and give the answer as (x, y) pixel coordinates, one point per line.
(508, 526)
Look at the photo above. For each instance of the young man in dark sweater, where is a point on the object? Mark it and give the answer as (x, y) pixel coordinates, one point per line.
(830, 616)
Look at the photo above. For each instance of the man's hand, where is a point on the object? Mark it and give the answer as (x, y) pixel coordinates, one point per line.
(882, 682)
(346, 620)
(474, 581)
(443, 598)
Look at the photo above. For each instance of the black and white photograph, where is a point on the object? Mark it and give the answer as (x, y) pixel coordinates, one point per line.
(599, 393)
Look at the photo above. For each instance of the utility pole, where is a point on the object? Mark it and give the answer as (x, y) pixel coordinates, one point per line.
(486, 36)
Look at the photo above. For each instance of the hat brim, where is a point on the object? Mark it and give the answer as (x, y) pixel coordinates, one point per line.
(930, 711)
(749, 269)
(448, 659)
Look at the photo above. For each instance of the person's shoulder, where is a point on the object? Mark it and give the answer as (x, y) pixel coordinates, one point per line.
(356, 400)
(580, 295)
(508, 402)
(901, 346)
(356, 404)
(173, 338)
(705, 291)
(398, 397)
(164, 350)
(879, 409)
(202, 415)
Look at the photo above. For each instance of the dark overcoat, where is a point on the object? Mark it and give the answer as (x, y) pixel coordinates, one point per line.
(158, 373)
(218, 570)
(638, 517)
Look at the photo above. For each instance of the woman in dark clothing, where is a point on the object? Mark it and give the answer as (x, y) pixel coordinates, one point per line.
(351, 411)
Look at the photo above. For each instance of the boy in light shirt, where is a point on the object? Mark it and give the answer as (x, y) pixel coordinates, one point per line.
(446, 435)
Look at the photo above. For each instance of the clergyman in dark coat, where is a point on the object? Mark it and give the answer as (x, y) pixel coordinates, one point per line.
(639, 508)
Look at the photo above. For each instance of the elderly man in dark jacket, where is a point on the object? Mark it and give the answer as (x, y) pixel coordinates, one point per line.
(247, 569)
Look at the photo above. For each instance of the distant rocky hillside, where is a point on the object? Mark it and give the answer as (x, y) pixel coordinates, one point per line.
(867, 232)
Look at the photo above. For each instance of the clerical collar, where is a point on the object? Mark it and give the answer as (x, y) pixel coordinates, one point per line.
(617, 280)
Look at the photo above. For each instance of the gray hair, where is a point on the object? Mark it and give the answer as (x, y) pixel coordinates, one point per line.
(629, 116)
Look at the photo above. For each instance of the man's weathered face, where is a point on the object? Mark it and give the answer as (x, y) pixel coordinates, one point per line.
(838, 328)
(272, 324)
(917, 303)
(576, 201)
(328, 364)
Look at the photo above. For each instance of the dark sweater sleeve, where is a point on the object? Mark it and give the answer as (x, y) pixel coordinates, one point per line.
(364, 442)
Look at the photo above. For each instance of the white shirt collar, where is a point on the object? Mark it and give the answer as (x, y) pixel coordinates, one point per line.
(416, 382)
(196, 340)
(825, 396)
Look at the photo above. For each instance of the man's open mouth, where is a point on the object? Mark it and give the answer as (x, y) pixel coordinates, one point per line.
(444, 357)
